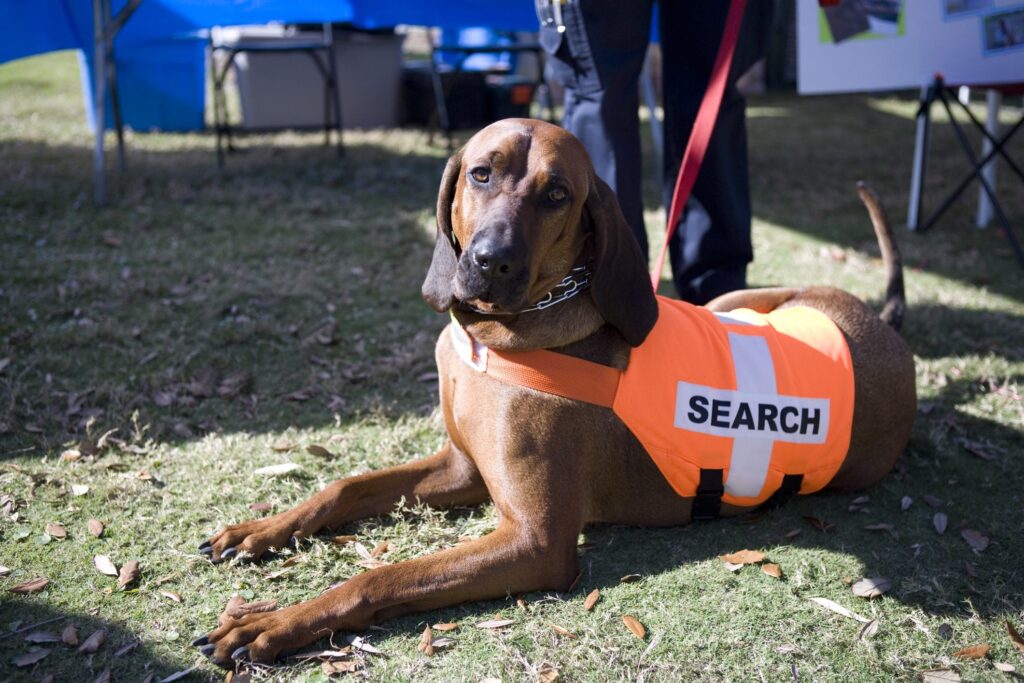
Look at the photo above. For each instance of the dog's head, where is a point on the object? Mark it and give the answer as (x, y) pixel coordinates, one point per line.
(519, 206)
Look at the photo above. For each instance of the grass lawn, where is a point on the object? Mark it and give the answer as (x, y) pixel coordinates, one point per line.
(154, 355)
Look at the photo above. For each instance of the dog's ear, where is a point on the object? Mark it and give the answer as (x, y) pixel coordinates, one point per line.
(621, 287)
(437, 287)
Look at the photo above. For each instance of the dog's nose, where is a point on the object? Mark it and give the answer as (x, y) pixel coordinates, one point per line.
(496, 260)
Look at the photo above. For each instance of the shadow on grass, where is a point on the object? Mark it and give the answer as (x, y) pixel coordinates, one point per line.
(965, 331)
(127, 657)
(292, 276)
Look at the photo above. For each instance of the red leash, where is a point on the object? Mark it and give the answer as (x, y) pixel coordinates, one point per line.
(703, 126)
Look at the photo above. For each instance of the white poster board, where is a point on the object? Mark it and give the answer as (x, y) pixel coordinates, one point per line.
(858, 45)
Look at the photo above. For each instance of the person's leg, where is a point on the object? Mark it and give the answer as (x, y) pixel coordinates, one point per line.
(712, 246)
(598, 60)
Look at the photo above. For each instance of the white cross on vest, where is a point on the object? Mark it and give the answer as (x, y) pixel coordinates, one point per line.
(754, 415)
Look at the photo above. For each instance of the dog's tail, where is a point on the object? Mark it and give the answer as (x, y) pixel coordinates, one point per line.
(895, 299)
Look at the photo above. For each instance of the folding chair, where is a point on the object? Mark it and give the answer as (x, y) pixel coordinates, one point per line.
(939, 91)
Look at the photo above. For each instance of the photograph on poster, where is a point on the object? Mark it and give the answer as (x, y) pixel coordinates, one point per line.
(1002, 31)
(962, 9)
(860, 19)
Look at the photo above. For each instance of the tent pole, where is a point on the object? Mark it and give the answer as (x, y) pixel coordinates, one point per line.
(99, 96)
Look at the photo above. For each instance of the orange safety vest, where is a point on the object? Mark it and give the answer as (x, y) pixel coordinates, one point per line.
(759, 398)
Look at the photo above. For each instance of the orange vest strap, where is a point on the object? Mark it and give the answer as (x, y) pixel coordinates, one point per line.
(556, 373)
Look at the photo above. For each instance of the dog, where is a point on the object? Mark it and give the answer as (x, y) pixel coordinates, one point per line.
(532, 253)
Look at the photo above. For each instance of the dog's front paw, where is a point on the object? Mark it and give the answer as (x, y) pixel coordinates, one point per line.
(258, 637)
(251, 539)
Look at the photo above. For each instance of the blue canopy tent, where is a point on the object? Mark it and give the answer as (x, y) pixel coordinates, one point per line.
(134, 35)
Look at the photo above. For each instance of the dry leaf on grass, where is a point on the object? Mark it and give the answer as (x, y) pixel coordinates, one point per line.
(548, 674)
(449, 626)
(179, 675)
(276, 470)
(261, 507)
(940, 676)
(380, 549)
(732, 566)
(295, 559)
(104, 565)
(1004, 667)
(41, 637)
(349, 667)
(978, 450)
(69, 636)
(360, 644)
(171, 595)
(282, 445)
(592, 598)
(906, 502)
(634, 626)
(426, 644)
(940, 521)
(93, 643)
(79, 489)
(979, 651)
(819, 524)
(129, 572)
(95, 527)
(29, 658)
(868, 630)
(838, 609)
(881, 526)
(299, 395)
(1015, 637)
(743, 557)
(630, 578)
(342, 540)
(932, 501)
(772, 569)
(31, 586)
(562, 631)
(56, 530)
(367, 559)
(977, 540)
(320, 452)
(495, 623)
(871, 587)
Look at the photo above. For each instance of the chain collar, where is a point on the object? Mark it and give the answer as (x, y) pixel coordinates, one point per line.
(572, 284)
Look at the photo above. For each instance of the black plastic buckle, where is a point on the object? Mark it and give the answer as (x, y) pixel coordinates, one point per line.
(707, 504)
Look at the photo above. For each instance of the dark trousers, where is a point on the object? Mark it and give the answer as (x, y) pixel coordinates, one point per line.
(598, 59)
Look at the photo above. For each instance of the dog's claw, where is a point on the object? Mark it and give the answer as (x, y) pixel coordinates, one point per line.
(208, 550)
(200, 641)
(293, 541)
(204, 545)
(207, 650)
(241, 653)
(228, 554)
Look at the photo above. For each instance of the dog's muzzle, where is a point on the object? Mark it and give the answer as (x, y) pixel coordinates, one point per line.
(493, 270)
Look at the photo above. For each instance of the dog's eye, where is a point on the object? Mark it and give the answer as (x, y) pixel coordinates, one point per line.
(480, 175)
(558, 195)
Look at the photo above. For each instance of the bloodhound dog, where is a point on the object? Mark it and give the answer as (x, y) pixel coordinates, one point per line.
(519, 211)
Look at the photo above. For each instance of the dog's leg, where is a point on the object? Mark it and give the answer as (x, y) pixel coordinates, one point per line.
(522, 555)
(446, 478)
